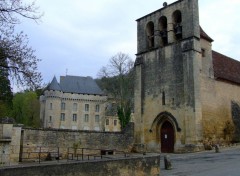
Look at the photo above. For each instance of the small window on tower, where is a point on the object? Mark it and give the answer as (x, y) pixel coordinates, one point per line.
(74, 117)
(86, 118)
(74, 106)
(163, 98)
(62, 118)
(63, 106)
(86, 107)
(203, 52)
(96, 118)
(97, 108)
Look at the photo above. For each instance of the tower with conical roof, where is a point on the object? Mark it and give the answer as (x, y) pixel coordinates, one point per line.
(74, 103)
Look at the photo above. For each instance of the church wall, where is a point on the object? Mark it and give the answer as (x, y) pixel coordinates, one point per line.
(217, 102)
(218, 98)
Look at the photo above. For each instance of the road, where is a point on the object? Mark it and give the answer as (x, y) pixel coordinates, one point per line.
(207, 163)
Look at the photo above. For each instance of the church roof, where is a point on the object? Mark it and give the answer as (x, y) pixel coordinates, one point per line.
(226, 68)
(204, 35)
(54, 85)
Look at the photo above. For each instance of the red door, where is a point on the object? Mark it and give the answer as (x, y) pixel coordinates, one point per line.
(167, 138)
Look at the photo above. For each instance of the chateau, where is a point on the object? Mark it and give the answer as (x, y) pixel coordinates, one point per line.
(76, 103)
(186, 94)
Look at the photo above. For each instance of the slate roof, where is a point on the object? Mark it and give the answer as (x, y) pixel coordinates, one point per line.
(76, 84)
(226, 68)
(54, 85)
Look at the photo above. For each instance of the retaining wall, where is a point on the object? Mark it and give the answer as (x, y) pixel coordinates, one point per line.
(136, 166)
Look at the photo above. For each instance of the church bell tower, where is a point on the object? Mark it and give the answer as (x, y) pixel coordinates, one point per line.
(167, 112)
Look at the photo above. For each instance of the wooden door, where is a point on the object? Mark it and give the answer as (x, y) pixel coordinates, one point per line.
(167, 138)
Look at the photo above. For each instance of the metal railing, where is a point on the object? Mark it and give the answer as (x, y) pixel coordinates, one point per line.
(42, 154)
(89, 153)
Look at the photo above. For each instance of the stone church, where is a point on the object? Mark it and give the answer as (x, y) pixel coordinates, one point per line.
(186, 94)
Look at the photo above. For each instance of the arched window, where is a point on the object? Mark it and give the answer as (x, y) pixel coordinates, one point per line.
(177, 20)
(150, 34)
(163, 30)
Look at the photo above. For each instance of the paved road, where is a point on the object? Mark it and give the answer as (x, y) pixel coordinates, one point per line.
(208, 163)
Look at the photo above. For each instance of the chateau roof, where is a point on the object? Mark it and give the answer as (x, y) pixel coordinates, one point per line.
(78, 84)
(75, 84)
(54, 85)
(226, 68)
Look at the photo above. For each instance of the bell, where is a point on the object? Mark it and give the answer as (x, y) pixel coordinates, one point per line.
(178, 30)
(164, 34)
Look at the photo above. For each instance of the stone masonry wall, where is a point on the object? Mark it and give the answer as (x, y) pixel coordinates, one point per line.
(219, 110)
(64, 139)
(10, 147)
(138, 166)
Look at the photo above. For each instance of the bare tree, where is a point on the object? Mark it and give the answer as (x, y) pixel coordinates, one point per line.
(10, 10)
(117, 79)
(16, 57)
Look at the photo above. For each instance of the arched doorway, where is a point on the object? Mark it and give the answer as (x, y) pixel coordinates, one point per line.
(167, 137)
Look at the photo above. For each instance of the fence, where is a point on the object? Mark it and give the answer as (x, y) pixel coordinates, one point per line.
(39, 154)
(88, 153)
(42, 154)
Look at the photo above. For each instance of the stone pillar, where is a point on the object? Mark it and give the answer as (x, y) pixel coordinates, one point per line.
(167, 163)
(171, 34)
(6, 125)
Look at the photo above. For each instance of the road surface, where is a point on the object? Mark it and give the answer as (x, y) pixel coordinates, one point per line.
(207, 163)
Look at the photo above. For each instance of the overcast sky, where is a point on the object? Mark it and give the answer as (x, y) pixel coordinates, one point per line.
(79, 36)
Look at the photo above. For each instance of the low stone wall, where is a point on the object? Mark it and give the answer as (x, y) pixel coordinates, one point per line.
(137, 166)
(9, 144)
(64, 139)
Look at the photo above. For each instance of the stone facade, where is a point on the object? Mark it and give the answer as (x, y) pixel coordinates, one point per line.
(9, 144)
(81, 106)
(180, 102)
(78, 104)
